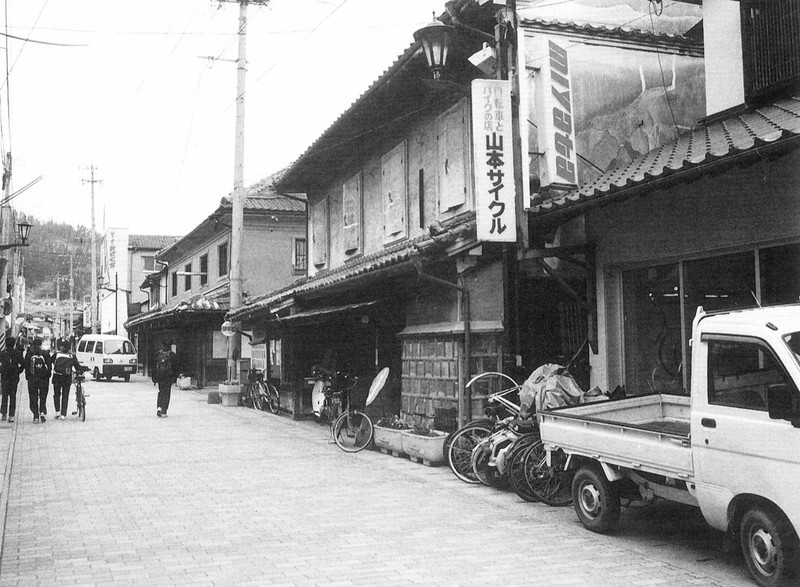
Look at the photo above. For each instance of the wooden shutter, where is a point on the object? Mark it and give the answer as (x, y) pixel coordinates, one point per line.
(393, 189)
(351, 214)
(452, 157)
(319, 232)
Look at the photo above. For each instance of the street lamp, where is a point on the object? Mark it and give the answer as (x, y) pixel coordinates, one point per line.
(435, 38)
(23, 231)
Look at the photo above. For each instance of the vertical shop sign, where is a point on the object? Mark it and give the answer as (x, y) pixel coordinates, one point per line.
(492, 146)
(555, 115)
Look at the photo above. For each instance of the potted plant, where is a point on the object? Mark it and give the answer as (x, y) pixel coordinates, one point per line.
(230, 391)
(423, 445)
(388, 435)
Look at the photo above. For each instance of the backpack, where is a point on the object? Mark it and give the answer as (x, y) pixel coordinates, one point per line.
(39, 367)
(8, 363)
(163, 366)
(62, 365)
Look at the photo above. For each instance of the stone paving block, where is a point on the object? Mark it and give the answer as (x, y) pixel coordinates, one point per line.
(185, 500)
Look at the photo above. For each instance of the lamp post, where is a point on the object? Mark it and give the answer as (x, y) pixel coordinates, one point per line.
(23, 231)
(435, 40)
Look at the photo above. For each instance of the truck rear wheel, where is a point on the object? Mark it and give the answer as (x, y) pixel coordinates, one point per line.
(595, 499)
(770, 547)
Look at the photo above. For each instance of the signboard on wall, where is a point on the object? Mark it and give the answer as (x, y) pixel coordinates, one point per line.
(492, 145)
(555, 114)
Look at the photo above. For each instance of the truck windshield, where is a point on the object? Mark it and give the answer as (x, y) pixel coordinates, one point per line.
(793, 342)
(119, 347)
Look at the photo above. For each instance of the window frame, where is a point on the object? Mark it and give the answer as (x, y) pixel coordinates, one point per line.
(204, 270)
(223, 261)
(187, 279)
(174, 284)
(297, 266)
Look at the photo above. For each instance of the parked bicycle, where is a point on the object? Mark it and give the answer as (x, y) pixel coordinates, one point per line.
(259, 394)
(460, 444)
(80, 396)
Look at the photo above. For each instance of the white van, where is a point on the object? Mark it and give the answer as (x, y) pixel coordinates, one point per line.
(107, 356)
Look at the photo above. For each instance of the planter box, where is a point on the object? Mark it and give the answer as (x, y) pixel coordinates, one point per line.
(427, 449)
(230, 394)
(389, 440)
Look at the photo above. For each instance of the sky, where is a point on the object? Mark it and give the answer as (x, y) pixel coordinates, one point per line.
(128, 87)
(145, 93)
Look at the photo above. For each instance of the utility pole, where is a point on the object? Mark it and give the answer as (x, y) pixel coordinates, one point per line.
(71, 293)
(4, 217)
(93, 313)
(58, 306)
(237, 201)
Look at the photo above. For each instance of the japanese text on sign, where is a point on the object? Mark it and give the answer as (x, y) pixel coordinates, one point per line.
(494, 160)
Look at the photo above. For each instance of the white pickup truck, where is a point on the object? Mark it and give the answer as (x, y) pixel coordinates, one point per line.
(732, 448)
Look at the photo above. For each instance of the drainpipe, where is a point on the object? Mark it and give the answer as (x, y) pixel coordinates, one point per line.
(465, 405)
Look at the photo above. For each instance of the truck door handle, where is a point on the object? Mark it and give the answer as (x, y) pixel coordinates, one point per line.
(708, 423)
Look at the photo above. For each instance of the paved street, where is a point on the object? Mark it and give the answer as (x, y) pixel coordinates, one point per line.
(221, 495)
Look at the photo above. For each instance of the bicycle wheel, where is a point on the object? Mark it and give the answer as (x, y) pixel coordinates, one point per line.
(483, 471)
(257, 394)
(552, 485)
(515, 469)
(273, 399)
(353, 431)
(81, 406)
(459, 449)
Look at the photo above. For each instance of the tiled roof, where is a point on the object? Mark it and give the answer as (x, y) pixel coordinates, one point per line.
(154, 242)
(708, 146)
(272, 203)
(632, 35)
(460, 227)
(215, 302)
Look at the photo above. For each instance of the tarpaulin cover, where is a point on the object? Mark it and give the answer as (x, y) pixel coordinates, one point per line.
(549, 387)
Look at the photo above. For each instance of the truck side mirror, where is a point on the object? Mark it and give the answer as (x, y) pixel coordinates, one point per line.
(779, 403)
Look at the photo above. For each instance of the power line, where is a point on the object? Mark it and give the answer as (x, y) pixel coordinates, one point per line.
(38, 16)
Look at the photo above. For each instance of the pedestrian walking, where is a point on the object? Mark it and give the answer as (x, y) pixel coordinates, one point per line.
(37, 372)
(12, 363)
(165, 373)
(63, 364)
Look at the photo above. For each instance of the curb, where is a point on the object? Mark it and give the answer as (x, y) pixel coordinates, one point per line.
(7, 481)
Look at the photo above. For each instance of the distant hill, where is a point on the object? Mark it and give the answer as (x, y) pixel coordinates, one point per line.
(47, 258)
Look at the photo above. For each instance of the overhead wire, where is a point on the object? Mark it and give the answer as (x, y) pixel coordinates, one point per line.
(274, 65)
(27, 38)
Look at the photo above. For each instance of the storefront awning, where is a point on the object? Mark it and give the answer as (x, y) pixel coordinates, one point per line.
(393, 261)
(323, 314)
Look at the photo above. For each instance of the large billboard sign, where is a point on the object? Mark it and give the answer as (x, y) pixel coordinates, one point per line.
(555, 114)
(493, 150)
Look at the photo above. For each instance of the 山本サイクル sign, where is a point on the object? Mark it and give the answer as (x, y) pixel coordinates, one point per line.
(492, 145)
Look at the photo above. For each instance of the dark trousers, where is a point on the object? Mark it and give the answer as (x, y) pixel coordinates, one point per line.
(9, 387)
(37, 393)
(61, 385)
(164, 390)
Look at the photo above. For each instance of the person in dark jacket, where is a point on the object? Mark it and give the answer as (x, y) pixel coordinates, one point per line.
(165, 373)
(37, 372)
(63, 364)
(12, 363)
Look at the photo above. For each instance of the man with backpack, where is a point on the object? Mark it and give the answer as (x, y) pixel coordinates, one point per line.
(12, 363)
(164, 375)
(37, 372)
(63, 364)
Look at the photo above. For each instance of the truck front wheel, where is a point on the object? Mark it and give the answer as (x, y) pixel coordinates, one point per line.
(595, 499)
(770, 547)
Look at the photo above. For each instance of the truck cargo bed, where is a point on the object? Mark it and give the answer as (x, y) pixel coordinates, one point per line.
(648, 433)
